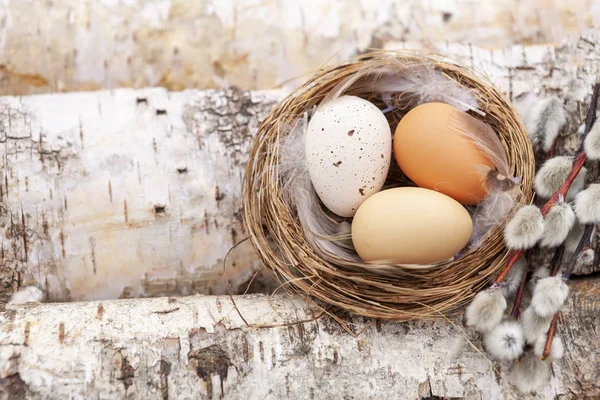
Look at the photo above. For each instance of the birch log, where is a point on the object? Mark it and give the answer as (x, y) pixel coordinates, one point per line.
(125, 193)
(199, 348)
(130, 193)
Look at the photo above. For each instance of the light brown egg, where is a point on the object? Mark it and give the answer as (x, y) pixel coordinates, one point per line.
(435, 155)
(410, 225)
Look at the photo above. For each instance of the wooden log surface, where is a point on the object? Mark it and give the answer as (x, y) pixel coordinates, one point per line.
(125, 193)
(131, 193)
(197, 347)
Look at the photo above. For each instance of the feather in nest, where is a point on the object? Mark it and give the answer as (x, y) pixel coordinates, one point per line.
(322, 231)
(490, 212)
(406, 86)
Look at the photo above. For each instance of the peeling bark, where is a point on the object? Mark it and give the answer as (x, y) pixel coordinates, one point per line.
(199, 348)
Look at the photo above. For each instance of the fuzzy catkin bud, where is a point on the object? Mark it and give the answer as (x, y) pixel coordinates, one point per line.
(538, 274)
(591, 145)
(557, 348)
(505, 341)
(557, 224)
(525, 228)
(554, 173)
(543, 119)
(530, 374)
(587, 205)
(549, 296)
(534, 325)
(486, 310)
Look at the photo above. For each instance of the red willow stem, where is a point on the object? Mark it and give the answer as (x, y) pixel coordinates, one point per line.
(517, 305)
(514, 257)
(584, 243)
(552, 150)
(578, 161)
(551, 332)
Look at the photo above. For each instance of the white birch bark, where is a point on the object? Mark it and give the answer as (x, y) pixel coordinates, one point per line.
(125, 193)
(197, 347)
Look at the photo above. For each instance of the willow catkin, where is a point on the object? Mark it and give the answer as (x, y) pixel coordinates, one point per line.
(320, 229)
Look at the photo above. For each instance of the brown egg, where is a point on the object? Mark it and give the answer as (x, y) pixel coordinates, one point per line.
(435, 155)
(410, 225)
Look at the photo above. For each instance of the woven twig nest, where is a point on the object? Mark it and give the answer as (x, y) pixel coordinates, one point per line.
(408, 292)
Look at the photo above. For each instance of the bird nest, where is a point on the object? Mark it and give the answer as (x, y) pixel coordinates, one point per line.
(390, 291)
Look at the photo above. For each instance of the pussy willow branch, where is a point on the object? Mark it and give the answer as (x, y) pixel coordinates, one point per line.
(580, 156)
(517, 304)
(584, 243)
(578, 161)
(549, 337)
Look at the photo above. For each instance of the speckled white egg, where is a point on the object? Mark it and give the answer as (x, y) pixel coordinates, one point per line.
(348, 152)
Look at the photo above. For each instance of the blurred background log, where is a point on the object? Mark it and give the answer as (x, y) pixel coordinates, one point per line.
(67, 45)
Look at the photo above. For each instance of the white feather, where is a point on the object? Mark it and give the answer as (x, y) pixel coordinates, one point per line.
(27, 294)
(406, 86)
(549, 296)
(553, 174)
(326, 235)
(505, 341)
(557, 349)
(511, 283)
(530, 374)
(484, 138)
(489, 213)
(486, 310)
(557, 224)
(525, 228)
(591, 144)
(587, 205)
(538, 274)
(533, 325)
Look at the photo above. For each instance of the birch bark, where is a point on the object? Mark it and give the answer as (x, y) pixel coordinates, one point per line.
(197, 347)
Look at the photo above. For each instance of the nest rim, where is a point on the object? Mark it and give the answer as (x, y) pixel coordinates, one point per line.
(410, 293)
